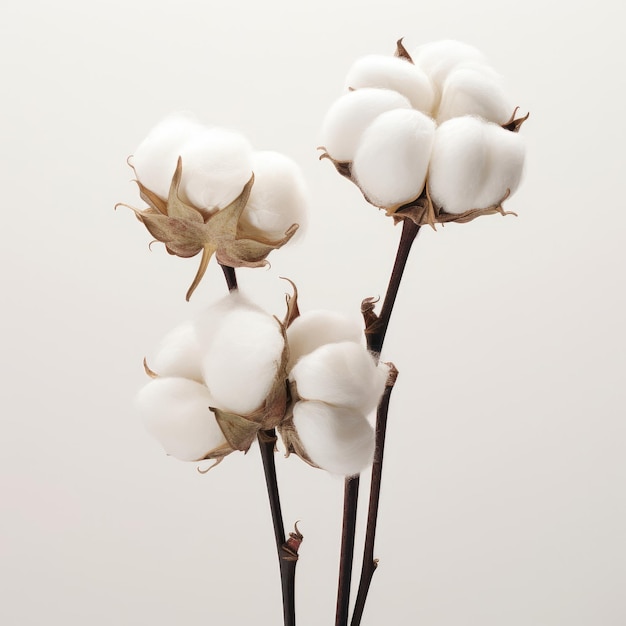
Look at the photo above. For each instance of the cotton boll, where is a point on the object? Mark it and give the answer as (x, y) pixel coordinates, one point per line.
(393, 73)
(242, 360)
(156, 157)
(438, 58)
(391, 162)
(342, 374)
(338, 440)
(217, 163)
(506, 152)
(350, 115)
(179, 354)
(474, 90)
(279, 196)
(176, 412)
(459, 164)
(316, 328)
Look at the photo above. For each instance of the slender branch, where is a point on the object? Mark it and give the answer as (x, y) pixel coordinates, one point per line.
(267, 439)
(230, 276)
(369, 562)
(376, 331)
(287, 549)
(350, 501)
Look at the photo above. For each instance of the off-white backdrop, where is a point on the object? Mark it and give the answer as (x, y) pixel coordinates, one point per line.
(503, 499)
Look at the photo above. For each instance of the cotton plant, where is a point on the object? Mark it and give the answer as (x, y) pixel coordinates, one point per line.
(429, 137)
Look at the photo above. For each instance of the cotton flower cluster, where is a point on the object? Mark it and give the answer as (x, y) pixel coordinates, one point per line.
(235, 370)
(208, 191)
(434, 125)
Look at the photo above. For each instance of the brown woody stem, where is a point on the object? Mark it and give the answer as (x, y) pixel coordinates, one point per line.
(375, 333)
(287, 549)
(287, 555)
(369, 562)
(230, 276)
(350, 501)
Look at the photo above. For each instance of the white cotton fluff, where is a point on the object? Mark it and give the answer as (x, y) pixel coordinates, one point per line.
(473, 164)
(176, 412)
(438, 58)
(393, 73)
(350, 115)
(458, 164)
(279, 196)
(506, 152)
(474, 90)
(342, 374)
(339, 440)
(391, 162)
(155, 158)
(241, 360)
(179, 354)
(316, 328)
(217, 163)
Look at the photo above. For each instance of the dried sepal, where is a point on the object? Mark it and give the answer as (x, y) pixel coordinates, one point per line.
(187, 230)
(291, 546)
(217, 454)
(392, 375)
(289, 434)
(367, 311)
(292, 443)
(238, 430)
(150, 373)
(291, 301)
(424, 211)
(402, 52)
(515, 123)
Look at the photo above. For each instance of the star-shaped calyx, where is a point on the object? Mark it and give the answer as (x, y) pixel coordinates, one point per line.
(187, 230)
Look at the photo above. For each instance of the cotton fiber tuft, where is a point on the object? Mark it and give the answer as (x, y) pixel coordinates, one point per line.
(176, 412)
(155, 158)
(339, 440)
(391, 162)
(351, 114)
(385, 72)
(279, 196)
(316, 328)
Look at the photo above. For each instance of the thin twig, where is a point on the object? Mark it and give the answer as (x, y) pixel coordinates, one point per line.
(350, 500)
(287, 549)
(375, 333)
(230, 276)
(287, 555)
(369, 562)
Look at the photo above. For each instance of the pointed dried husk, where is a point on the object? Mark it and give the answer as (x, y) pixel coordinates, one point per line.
(187, 230)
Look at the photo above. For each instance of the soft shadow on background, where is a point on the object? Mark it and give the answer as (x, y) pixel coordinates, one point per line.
(503, 496)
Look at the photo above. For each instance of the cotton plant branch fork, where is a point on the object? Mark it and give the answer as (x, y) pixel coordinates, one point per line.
(376, 330)
(287, 548)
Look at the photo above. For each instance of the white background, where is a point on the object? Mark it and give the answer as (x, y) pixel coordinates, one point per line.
(503, 496)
